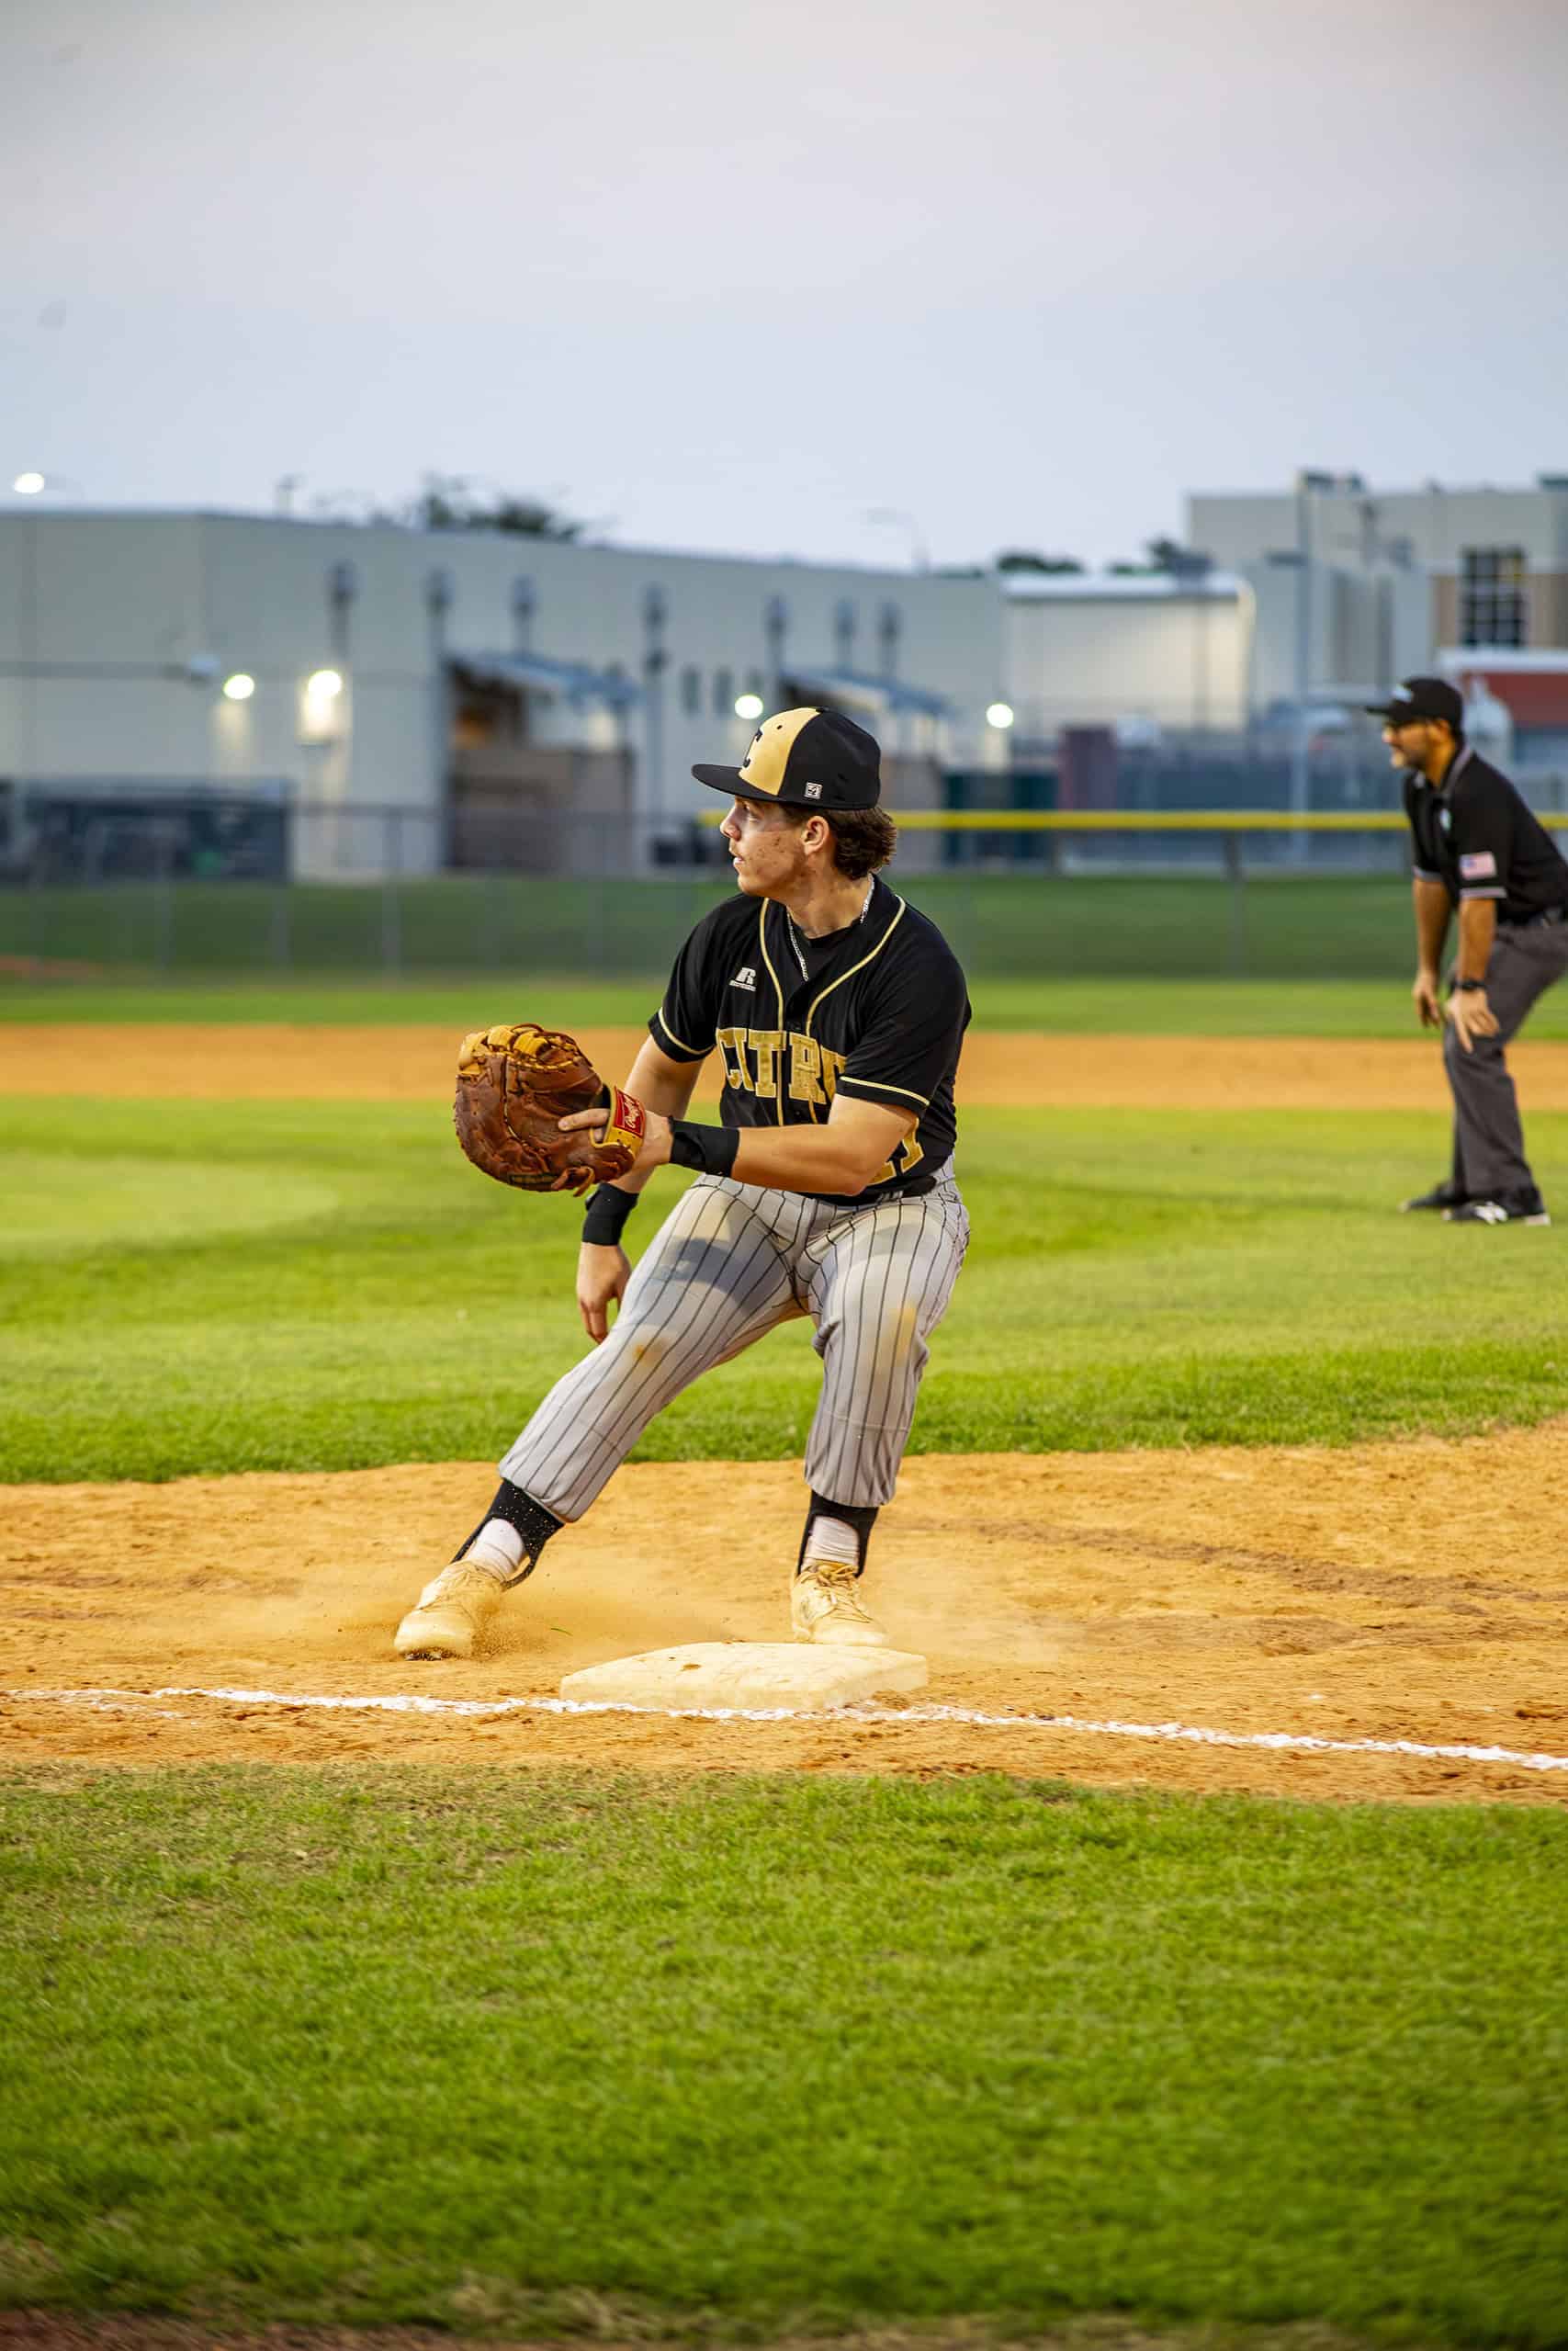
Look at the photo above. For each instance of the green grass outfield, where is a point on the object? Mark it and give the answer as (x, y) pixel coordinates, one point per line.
(545, 2055)
(575, 2055)
(212, 1287)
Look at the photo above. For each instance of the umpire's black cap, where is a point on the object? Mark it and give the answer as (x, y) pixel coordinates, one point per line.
(808, 758)
(1421, 697)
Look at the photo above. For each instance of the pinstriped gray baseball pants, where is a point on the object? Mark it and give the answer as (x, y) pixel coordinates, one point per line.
(729, 1264)
(1489, 1141)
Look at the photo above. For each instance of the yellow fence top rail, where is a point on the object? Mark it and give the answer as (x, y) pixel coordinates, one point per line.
(1152, 821)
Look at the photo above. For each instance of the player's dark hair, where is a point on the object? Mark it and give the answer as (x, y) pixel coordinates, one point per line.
(864, 838)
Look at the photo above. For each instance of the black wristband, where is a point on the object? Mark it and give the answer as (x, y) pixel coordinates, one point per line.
(1464, 987)
(605, 1219)
(710, 1148)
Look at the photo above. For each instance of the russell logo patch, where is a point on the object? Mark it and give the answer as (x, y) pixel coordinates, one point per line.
(745, 978)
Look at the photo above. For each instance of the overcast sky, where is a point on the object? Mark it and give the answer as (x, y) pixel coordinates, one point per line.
(722, 276)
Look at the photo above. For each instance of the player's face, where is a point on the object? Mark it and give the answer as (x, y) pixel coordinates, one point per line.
(1407, 744)
(765, 847)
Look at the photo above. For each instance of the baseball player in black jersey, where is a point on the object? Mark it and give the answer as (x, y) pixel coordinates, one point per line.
(837, 1013)
(1476, 845)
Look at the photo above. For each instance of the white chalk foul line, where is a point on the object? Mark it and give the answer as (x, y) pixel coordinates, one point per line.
(1296, 1742)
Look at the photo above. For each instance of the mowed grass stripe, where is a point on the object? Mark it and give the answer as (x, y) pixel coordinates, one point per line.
(209, 1287)
(758, 2054)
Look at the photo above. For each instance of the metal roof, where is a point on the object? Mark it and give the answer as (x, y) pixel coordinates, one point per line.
(577, 681)
(1112, 587)
(888, 693)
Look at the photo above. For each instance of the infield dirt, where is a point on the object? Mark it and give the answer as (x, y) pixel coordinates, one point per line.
(1254, 1591)
(1336, 1595)
(279, 1063)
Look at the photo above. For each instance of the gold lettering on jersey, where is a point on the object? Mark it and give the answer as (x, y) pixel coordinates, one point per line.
(806, 1071)
(731, 1044)
(756, 1060)
(768, 1044)
(907, 1155)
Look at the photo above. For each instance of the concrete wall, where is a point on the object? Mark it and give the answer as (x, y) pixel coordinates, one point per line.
(1395, 537)
(590, 605)
(102, 616)
(543, 810)
(1364, 527)
(1364, 630)
(1091, 652)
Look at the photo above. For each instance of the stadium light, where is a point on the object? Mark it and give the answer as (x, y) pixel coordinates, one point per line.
(749, 706)
(239, 687)
(1000, 714)
(27, 485)
(324, 685)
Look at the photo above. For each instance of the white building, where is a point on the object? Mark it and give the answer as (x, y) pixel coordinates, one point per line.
(476, 697)
(1144, 656)
(466, 679)
(1356, 587)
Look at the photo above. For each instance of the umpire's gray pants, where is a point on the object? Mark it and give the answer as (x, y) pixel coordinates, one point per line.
(1489, 1143)
(730, 1262)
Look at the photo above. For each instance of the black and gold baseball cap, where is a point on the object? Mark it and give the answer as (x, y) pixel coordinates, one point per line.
(805, 759)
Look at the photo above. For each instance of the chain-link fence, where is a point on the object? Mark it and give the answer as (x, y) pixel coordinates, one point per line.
(257, 885)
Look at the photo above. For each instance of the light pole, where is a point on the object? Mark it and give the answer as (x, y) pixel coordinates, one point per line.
(655, 613)
(440, 593)
(776, 629)
(845, 620)
(1301, 747)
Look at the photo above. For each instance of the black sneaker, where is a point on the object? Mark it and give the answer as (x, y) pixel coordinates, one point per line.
(1444, 1195)
(1507, 1208)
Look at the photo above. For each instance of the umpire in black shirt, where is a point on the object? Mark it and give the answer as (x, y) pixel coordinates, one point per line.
(1477, 847)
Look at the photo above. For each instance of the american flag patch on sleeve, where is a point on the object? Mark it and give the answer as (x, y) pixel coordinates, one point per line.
(1480, 865)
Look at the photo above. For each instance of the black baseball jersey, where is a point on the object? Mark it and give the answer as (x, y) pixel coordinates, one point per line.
(877, 1011)
(1474, 834)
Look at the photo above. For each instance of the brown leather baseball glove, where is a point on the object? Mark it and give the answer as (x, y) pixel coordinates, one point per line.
(513, 1084)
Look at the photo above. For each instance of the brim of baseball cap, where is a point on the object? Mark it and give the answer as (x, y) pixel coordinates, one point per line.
(728, 779)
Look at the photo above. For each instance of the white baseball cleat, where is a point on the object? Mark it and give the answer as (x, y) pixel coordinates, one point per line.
(825, 1605)
(449, 1614)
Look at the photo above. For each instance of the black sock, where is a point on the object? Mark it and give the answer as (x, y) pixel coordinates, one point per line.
(532, 1520)
(861, 1516)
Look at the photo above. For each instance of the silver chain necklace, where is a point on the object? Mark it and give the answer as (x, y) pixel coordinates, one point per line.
(797, 935)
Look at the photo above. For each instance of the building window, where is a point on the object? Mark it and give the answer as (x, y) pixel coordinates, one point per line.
(723, 694)
(1492, 596)
(692, 693)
